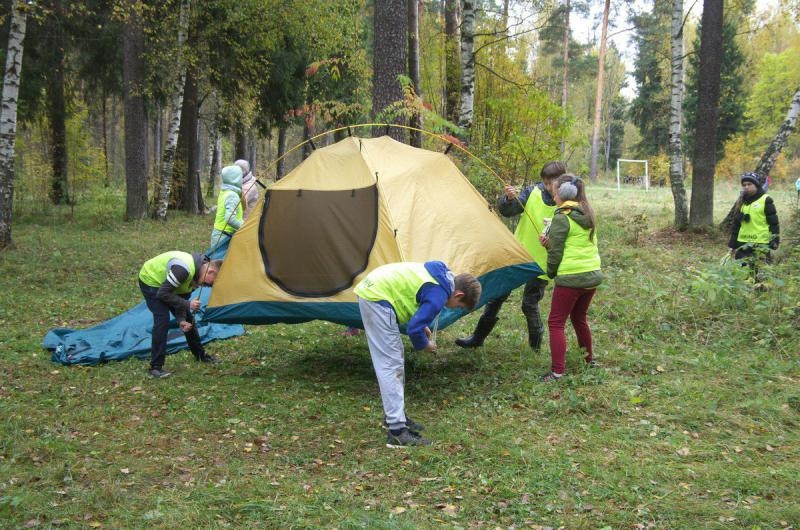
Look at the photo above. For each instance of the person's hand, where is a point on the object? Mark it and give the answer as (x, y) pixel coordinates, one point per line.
(511, 192)
(185, 326)
(544, 240)
(194, 305)
(773, 244)
(428, 332)
(430, 347)
(733, 252)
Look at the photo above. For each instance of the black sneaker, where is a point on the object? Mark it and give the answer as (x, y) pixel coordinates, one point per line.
(206, 358)
(411, 425)
(406, 438)
(158, 373)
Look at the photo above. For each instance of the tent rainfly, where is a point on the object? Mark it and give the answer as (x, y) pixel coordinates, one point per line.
(347, 209)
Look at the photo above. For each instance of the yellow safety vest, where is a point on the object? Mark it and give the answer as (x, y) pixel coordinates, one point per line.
(398, 284)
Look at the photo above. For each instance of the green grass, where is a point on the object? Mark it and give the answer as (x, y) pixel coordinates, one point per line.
(691, 422)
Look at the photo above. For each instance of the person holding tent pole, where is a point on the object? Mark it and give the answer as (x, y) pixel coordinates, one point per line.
(166, 282)
(230, 213)
(536, 205)
(755, 230)
(573, 262)
(412, 294)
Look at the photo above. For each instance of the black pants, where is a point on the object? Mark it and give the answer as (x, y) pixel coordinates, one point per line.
(531, 296)
(161, 312)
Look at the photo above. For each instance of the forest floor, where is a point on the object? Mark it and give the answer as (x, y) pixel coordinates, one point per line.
(690, 421)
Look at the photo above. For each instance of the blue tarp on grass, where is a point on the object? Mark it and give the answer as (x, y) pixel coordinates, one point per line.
(129, 334)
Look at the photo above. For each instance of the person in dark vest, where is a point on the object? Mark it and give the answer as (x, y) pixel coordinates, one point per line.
(755, 229)
(412, 294)
(167, 281)
(536, 206)
(573, 262)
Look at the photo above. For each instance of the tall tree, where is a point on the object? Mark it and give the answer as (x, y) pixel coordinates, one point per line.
(467, 109)
(565, 73)
(733, 91)
(452, 75)
(414, 68)
(649, 110)
(174, 123)
(598, 99)
(704, 157)
(8, 117)
(133, 81)
(56, 102)
(676, 118)
(390, 59)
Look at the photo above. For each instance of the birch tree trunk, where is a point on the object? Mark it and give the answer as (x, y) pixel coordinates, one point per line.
(451, 61)
(135, 139)
(565, 75)
(8, 117)
(704, 158)
(676, 176)
(176, 104)
(214, 158)
(467, 110)
(787, 127)
(413, 69)
(598, 98)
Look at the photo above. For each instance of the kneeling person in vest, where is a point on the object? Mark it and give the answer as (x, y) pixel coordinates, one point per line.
(755, 230)
(411, 294)
(166, 282)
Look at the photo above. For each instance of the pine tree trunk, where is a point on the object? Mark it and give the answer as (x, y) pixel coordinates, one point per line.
(192, 197)
(565, 75)
(467, 109)
(598, 98)
(413, 68)
(704, 157)
(133, 76)
(675, 118)
(451, 60)
(8, 117)
(176, 105)
(57, 106)
(390, 58)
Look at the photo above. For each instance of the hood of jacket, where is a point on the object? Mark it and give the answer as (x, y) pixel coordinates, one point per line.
(231, 178)
(442, 274)
(575, 212)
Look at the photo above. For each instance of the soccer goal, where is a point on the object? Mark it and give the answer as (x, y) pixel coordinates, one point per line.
(630, 178)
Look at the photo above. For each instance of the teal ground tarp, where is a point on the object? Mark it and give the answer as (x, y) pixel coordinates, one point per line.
(129, 334)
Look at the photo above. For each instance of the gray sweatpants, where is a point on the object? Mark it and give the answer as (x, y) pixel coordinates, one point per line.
(387, 352)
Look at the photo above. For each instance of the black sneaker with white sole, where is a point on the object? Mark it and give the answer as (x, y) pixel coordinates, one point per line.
(158, 373)
(410, 425)
(405, 438)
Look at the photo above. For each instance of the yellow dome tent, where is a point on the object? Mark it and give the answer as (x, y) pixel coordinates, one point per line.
(348, 208)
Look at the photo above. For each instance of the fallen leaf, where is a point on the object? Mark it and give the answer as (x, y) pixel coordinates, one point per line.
(398, 510)
(683, 451)
(125, 471)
